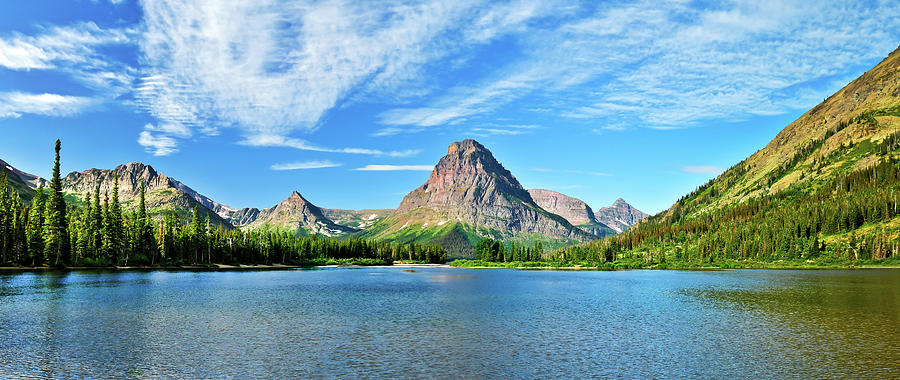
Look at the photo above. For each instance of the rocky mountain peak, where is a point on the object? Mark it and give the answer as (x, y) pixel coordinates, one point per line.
(136, 170)
(470, 157)
(470, 187)
(294, 213)
(468, 174)
(620, 215)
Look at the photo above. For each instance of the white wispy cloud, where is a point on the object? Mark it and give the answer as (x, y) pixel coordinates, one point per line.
(305, 165)
(281, 67)
(74, 50)
(158, 145)
(702, 169)
(671, 63)
(463, 102)
(382, 168)
(277, 67)
(289, 142)
(14, 104)
(502, 130)
(169, 129)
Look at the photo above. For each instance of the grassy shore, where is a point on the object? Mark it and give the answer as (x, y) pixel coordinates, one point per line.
(725, 264)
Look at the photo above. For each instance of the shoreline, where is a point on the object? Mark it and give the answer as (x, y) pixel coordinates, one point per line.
(263, 267)
(212, 268)
(689, 268)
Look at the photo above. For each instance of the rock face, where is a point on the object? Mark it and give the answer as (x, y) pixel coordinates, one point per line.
(162, 192)
(470, 187)
(620, 216)
(573, 209)
(294, 214)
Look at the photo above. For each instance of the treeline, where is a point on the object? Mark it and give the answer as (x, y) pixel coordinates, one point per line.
(100, 233)
(489, 249)
(783, 226)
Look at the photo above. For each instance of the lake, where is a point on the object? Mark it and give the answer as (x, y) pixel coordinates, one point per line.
(451, 323)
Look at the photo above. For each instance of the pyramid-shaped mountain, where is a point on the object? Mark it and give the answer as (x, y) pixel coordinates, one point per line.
(468, 195)
(295, 214)
(620, 216)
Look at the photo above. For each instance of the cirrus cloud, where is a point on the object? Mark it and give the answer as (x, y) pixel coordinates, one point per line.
(305, 165)
(384, 168)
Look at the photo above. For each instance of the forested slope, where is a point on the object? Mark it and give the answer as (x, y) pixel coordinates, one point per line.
(824, 190)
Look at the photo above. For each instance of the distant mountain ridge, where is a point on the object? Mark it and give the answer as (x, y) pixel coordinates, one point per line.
(23, 183)
(163, 193)
(27, 179)
(468, 195)
(573, 209)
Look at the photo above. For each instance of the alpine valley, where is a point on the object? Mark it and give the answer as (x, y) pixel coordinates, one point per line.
(824, 192)
(469, 196)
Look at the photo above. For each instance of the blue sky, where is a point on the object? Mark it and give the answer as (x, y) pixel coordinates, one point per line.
(352, 102)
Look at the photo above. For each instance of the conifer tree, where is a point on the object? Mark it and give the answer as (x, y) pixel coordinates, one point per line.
(6, 215)
(96, 223)
(194, 233)
(56, 229)
(19, 243)
(35, 229)
(144, 228)
(107, 243)
(85, 233)
(113, 225)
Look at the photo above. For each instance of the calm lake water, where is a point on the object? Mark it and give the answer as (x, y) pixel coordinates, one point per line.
(451, 323)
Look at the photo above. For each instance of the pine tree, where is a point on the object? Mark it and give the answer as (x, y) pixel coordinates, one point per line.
(194, 234)
(144, 231)
(95, 226)
(106, 238)
(35, 229)
(56, 229)
(6, 215)
(20, 246)
(85, 233)
(113, 225)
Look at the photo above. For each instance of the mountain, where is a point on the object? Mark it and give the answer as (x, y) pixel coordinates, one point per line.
(358, 219)
(620, 216)
(295, 214)
(163, 194)
(834, 137)
(468, 195)
(825, 188)
(23, 183)
(573, 209)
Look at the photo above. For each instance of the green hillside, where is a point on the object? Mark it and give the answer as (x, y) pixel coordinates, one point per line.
(458, 239)
(825, 191)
